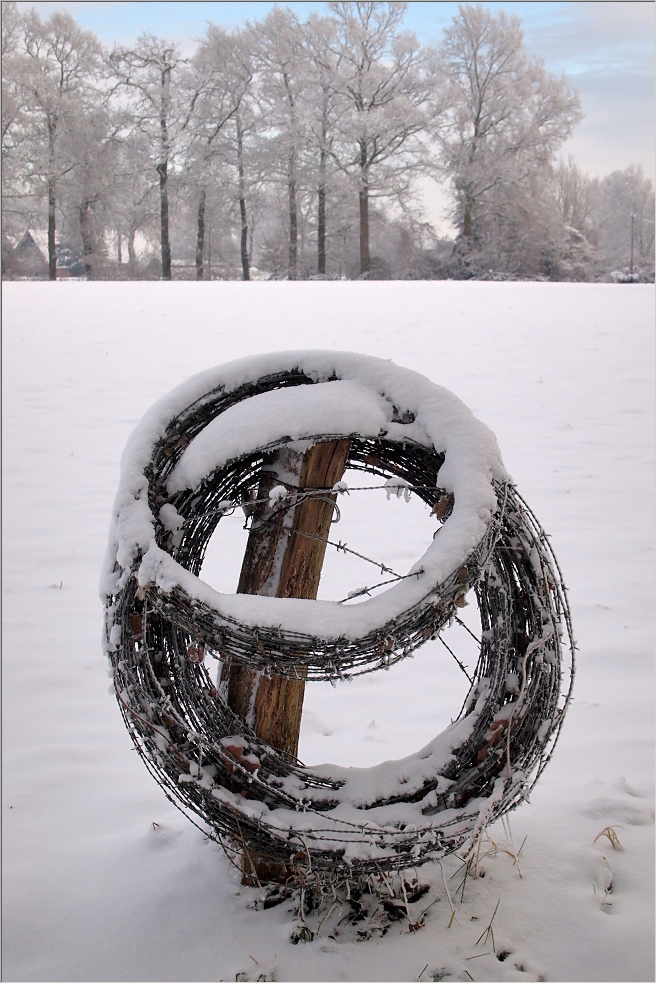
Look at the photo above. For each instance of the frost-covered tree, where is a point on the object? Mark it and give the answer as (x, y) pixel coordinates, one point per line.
(281, 60)
(294, 145)
(626, 219)
(87, 190)
(321, 109)
(576, 196)
(218, 83)
(12, 94)
(133, 203)
(250, 179)
(224, 131)
(382, 81)
(53, 70)
(15, 191)
(573, 198)
(505, 118)
(148, 73)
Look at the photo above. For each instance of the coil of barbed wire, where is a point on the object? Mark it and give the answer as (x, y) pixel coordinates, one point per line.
(160, 628)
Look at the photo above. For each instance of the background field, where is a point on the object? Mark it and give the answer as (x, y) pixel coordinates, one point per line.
(564, 375)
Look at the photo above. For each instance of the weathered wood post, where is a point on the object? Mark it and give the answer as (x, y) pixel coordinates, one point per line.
(281, 562)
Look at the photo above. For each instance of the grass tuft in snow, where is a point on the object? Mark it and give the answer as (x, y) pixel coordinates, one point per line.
(611, 835)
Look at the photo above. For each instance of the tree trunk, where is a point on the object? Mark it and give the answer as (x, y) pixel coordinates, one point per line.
(470, 188)
(164, 221)
(364, 209)
(321, 216)
(292, 184)
(52, 256)
(86, 236)
(163, 171)
(244, 243)
(132, 258)
(272, 706)
(467, 219)
(292, 203)
(200, 236)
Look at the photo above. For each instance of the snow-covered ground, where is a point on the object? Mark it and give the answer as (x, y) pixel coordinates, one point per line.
(103, 880)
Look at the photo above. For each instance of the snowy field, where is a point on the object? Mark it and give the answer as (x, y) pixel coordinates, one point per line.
(103, 879)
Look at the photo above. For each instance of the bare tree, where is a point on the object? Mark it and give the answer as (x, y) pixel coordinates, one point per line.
(134, 203)
(55, 65)
(505, 118)
(242, 131)
(218, 82)
(12, 96)
(14, 128)
(281, 56)
(148, 73)
(626, 219)
(384, 87)
(576, 196)
(321, 109)
(87, 189)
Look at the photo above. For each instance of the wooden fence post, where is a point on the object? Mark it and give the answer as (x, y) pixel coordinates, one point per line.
(280, 561)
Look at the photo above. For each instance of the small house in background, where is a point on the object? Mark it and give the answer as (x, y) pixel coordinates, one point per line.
(26, 259)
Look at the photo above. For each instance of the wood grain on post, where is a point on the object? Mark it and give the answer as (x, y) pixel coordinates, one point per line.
(280, 561)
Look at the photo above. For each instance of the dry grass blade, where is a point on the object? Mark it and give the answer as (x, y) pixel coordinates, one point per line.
(611, 835)
(488, 932)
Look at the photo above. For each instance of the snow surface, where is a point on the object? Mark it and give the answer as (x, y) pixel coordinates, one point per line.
(103, 878)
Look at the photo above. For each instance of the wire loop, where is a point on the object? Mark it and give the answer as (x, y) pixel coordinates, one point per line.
(212, 765)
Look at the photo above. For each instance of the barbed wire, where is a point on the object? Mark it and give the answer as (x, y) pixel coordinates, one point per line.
(260, 801)
(301, 495)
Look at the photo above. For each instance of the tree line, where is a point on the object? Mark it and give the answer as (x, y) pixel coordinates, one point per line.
(297, 149)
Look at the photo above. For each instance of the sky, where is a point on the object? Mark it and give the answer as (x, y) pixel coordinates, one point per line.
(606, 49)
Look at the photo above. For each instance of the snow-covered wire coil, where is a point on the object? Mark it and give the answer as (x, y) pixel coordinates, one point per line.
(183, 470)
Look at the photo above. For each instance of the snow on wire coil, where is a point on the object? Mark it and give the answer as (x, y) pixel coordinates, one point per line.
(197, 453)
